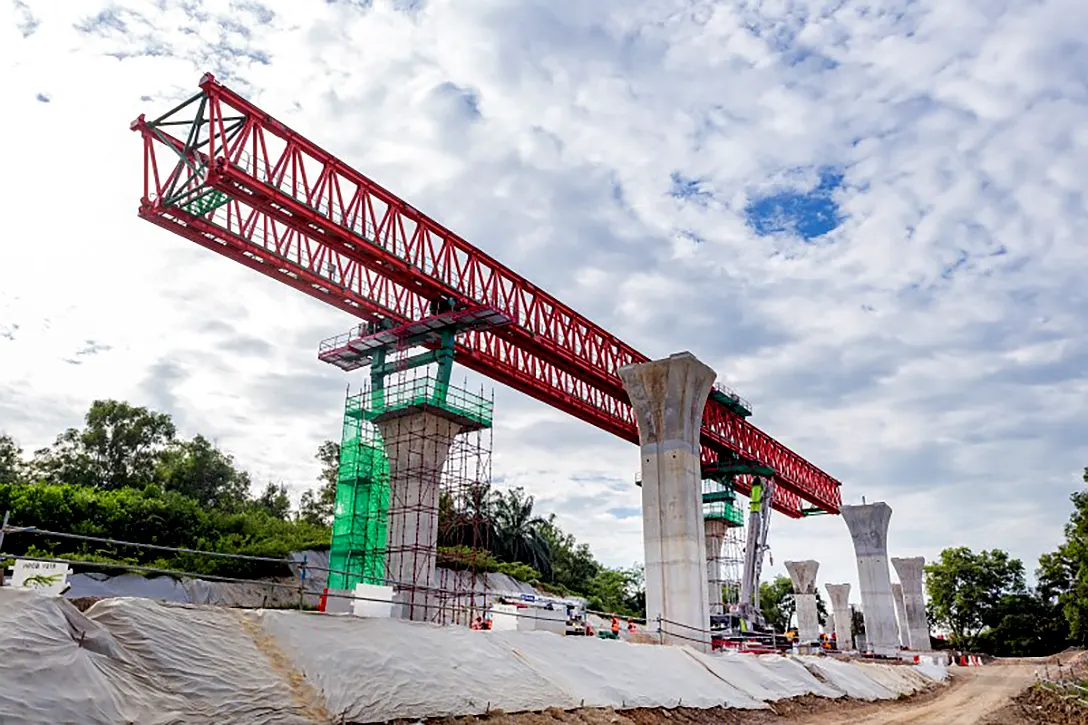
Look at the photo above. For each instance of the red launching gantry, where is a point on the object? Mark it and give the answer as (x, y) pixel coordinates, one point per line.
(223, 173)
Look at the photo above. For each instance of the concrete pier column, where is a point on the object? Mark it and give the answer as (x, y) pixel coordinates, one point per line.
(869, 529)
(803, 574)
(901, 615)
(668, 397)
(910, 573)
(417, 445)
(839, 594)
(715, 530)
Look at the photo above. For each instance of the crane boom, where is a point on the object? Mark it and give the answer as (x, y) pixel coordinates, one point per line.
(243, 184)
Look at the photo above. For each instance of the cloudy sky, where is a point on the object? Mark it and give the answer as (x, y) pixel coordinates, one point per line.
(868, 217)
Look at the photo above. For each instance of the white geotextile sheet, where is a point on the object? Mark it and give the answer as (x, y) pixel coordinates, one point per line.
(372, 670)
(853, 679)
(902, 679)
(608, 673)
(791, 670)
(47, 677)
(138, 661)
(932, 671)
(758, 679)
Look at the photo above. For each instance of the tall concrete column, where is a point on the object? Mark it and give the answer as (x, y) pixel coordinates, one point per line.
(668, 397)
(910, 573)
(803, 574)
(869, 529)
(417, 445)
(901, 615)
(715, 530)
(839, 594)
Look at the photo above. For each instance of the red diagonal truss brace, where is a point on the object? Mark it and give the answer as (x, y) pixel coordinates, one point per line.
(226, 175)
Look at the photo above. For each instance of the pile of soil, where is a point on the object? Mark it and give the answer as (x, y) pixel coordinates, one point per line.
(83, 603)
(1039, 705)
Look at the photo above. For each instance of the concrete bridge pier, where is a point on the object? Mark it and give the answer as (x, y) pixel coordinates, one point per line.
(803, 574)
(668, 397)
(868, 526)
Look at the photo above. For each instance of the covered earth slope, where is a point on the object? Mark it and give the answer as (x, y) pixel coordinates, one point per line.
(134, 660)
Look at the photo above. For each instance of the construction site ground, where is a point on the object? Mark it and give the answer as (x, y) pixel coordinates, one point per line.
(996, 694)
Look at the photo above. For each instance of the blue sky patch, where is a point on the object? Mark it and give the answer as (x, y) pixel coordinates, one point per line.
(808, 214)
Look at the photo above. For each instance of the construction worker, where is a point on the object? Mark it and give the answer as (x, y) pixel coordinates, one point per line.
(615, 626)
(477, 624)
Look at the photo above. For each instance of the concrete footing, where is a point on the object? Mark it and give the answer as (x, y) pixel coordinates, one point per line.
(803, 574)
(839, 594)
(900, 614)
(668, 397)
(869, 529)
(417, 445)
(714, 531)
(910, 572)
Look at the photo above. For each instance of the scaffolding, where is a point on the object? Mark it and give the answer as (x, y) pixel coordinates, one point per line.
(413, 495)
(723, 521)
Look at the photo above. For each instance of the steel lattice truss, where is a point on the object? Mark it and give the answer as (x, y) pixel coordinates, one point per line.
(226, 175)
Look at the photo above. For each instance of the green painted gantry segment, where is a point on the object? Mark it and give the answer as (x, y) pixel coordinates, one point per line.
(722, 394)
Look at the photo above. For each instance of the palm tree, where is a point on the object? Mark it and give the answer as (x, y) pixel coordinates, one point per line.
(518, 533)
(464, 518)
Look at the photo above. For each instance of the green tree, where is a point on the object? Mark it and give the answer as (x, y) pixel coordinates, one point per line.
(274, 501)
(317, 507)
(573, 565)
(199, 470)
(776, 602)
(465, 520)
(966, 590)
(1063, 574)
(1024, 625)
(119, 446)
(615, 591)
(11, 460)
(519, 532)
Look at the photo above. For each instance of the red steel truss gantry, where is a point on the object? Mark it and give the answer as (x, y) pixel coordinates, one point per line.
(223, 173)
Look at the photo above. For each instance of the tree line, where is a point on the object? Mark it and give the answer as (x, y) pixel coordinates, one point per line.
(127, 475)
(983, 602)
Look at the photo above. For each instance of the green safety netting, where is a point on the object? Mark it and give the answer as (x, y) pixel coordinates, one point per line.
(425, 391)
(720, 502)
(360, 518)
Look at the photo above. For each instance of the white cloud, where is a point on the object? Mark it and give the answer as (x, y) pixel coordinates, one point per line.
(929, 352)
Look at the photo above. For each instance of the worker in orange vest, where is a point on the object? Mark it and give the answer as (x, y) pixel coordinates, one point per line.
(615, 626)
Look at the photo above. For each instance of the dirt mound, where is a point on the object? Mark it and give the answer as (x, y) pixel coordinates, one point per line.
(83, 603)
(1038, 705)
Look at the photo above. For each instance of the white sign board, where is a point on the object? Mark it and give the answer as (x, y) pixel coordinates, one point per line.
(47, 577)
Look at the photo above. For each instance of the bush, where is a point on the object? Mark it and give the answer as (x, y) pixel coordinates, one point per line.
(151, 516)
